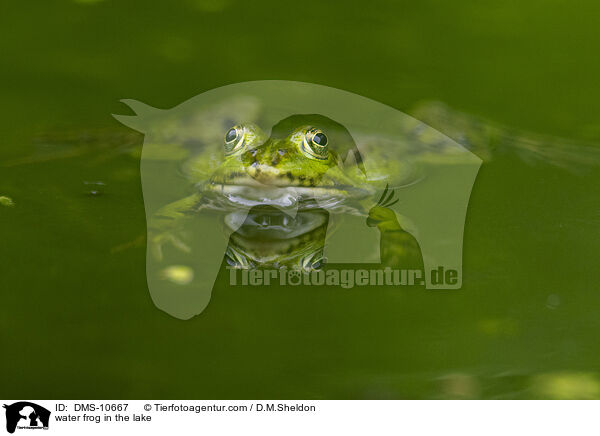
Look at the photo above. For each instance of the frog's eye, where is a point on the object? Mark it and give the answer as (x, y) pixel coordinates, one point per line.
(314, 144)
(234, 140)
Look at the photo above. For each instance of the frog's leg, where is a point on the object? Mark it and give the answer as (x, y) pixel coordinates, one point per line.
(164, 225)
(398, 248)
(180, 281)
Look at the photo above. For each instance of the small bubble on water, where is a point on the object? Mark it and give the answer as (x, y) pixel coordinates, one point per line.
(6, 201)
(94, 189)
(178, 274)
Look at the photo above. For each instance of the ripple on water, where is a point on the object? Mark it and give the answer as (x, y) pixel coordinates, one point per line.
(94, 188)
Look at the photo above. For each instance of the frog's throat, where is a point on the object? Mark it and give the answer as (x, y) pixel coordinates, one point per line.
(284, 197)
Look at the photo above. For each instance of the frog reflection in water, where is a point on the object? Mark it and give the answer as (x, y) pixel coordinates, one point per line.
(299, 166)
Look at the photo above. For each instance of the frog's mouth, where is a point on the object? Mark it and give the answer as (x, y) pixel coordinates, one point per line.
(268, 223)
(249, 192)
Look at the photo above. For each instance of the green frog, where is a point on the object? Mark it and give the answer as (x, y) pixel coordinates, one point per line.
(308, 164)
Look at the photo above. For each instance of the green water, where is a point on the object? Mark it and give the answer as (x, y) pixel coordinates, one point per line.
(76, 319)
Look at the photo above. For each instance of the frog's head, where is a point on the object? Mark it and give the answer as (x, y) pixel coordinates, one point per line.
(303, 158)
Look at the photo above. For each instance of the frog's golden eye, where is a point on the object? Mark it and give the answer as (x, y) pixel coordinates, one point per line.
(234, 140)
(314, 144)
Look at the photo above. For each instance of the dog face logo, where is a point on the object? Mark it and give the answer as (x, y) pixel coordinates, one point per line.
(26, 415)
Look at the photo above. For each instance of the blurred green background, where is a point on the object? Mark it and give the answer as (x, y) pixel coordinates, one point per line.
(76, 319)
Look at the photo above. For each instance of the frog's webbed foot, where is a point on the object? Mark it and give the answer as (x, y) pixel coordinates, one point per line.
(398, 248)
(236, 259)
(159, 240)
(387, 198)
(381, 212)
(313, 261)
(167, 225)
